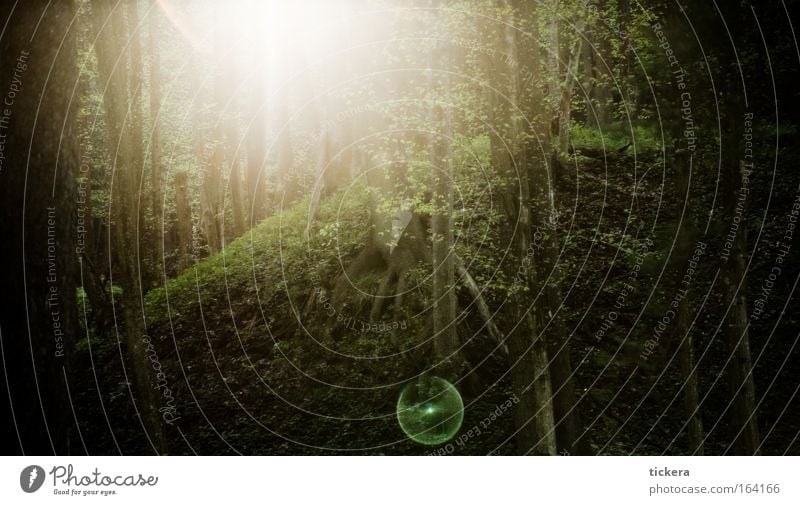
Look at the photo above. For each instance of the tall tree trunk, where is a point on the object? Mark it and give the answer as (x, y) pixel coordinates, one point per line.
(570, 78)
(534, 417)
(238, 225)
(38, 320)
(255, 178)
(212, 193)
(531, 376)
(543, 211)
(321, 160)
(211, 212)
(736, 177)
(294, 182)
(126, 179)
(740, 368)
(691, 395)
(256, 141)
(566, 413)
(156, 170)
(183, 220)
(626, 60)
(547, 247)
(226, 133)
(142, 232)
(444, 299)
(602, 64)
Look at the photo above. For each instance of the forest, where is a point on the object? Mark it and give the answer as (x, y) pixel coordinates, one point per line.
(400, 227)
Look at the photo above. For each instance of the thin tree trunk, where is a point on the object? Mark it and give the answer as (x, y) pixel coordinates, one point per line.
(294, 180)
(237, 210)
(226, 133)
(626, 60)
(444, 301)
(445, 337)
(480, 302)
(534, 417)
(601, 87)
(183, 219)
(256, 141)
(211, 212)
(691, 395)
(570, 78)
(156, 172)
(321, 160)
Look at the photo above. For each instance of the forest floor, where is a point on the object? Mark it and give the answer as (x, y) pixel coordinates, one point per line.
(245, 338)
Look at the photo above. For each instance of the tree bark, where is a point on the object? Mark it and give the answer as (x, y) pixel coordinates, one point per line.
(740, 368)
(256, 141)
(113, 80)
(444, 300)
(38, 322)
(142, 231)
(691, 395)
(480, 302)
(156, 170)
(226, 132)
(531, 379)
(183, 220)
(445, 337)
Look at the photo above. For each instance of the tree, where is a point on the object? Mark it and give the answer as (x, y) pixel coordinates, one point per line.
(156, 170)
(256, 139)
(527, 346)
(38, 322)
(736, 330)
(225, 132)
(445, 336)
(128, 168)
(681, 163)
(565, 49)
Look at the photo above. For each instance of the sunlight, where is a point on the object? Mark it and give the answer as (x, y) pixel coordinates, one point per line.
(296, 31)
(399, 227)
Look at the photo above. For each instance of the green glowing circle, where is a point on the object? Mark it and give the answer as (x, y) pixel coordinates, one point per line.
(430, 410)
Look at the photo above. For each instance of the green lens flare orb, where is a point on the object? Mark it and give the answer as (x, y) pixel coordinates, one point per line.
(430, 410)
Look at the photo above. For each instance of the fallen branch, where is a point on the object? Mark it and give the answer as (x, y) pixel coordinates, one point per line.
(480, 302)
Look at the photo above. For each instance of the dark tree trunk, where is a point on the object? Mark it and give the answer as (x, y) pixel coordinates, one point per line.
(740, 368)
(534, 157)
(38, 321)
(145, 241)
(691, 395)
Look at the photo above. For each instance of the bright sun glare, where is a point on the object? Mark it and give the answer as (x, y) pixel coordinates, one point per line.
(308, 30)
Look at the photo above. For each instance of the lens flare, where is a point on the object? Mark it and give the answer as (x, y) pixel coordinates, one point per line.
(430, 410)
